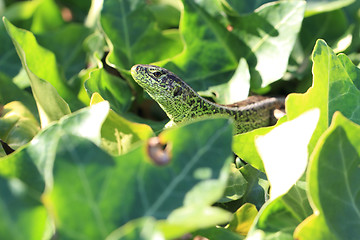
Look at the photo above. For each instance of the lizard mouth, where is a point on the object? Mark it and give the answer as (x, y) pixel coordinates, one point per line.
(138, 72)
(135, 70)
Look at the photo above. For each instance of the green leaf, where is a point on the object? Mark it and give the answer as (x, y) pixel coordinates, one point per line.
(244, 145)
(279, 218)
(353, 72)
(236, 8)
(328, 25)
(333, 175)
(21, 216)
(10, 64)
(269, 34)
(316, 7)
(9, 92)
(111, 88)
(84, 183)
(236, 89)
(167, 13)
(287, 141)
(314, 227)
(139, 229)
(243, 219)
(47, 16)
(190, 218)
(95, 45)
(139, 39)
(257, 191)
(32, 164)
(212, 53)
(50, 105)
(66, 43)
(119, 135)
(218, 233)
(236, 186)
(21, 10)
(333, 90)
(17, 125)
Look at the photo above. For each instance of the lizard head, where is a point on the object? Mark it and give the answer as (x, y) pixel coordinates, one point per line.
(168, 90)
(159, 83)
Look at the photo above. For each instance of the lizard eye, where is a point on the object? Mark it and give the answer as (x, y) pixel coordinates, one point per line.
(177, 92)
(157, 74)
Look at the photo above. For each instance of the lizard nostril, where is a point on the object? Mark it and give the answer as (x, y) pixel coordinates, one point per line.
(136, 69)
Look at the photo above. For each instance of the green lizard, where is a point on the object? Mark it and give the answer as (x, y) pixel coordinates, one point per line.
(181, 103)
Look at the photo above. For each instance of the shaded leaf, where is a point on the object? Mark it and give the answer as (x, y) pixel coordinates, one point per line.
(118, 134)
(278, 218)
(10, 64)
(51, 105)
(67, 44)
(47, 16)
(111, 88)
(235, 8)
(32, 163)
(236, 186)
(218, 233)
(20, 210)
(316, 7)
(9, 92)
(190, 218)
(17, 125)
(257, 191)
(84, 186)
(139, 40)
(139, 229)
(212, 52)
(335, 198)
(243, 219)
(207, 55)
(269, 34)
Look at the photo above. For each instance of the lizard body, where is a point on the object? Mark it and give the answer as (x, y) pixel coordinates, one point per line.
(181, 103)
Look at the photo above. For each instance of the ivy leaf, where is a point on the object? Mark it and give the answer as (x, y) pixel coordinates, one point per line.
(17, 125)
(140, 229)
(218, 233)
(10, 63)
(32, 163)
(269, 34)
(213, 53)
(66, 43)
(278, 218)
(139, 39)
(333, 90)
(11, 92)
(333, 175)
(236, 186)
(119, 135)
(316, 7)
(111, 88)
(287, 141)
(51, 106)
(20, 210)
(243, 219)
(83, 181)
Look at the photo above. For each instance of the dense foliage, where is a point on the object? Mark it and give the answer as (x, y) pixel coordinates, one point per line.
(84, 151)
